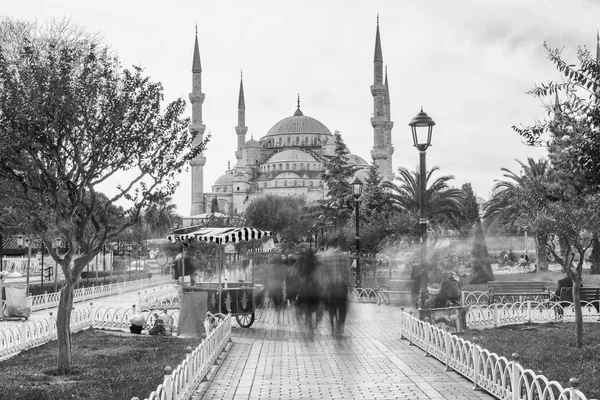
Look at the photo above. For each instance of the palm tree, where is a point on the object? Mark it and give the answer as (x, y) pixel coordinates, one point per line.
(159, 216)
(442, 204)
(507, 208)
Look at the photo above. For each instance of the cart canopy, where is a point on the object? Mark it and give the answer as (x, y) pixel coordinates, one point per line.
(220, 235)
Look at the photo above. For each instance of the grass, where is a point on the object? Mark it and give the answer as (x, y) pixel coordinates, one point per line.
(107, 365)
(549, 348)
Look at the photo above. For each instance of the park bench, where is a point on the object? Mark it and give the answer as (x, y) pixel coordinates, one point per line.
(517, 291)
(398, 288)
(586, 295)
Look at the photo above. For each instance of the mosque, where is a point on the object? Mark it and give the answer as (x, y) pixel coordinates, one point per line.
(288, 159)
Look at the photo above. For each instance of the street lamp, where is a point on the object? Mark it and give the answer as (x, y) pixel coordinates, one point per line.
(357, 187)
(422, 126)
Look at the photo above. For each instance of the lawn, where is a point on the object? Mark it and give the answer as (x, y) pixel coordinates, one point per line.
(549, 348)
(107, 365)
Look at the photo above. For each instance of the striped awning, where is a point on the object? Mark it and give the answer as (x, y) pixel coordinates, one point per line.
(220, 235)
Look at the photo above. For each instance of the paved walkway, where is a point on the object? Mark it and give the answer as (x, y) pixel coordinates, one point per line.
(277, 358)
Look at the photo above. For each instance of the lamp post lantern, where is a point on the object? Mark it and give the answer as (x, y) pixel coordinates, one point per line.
(422, 126)
(357, 187)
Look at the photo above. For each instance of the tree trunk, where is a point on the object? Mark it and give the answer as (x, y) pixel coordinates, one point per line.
(63, 328)
(577, 308)
(541, 251)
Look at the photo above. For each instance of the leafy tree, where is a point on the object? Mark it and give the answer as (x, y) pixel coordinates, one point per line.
(480, 258)
(375, 199)
(506, 207)
(280, 215)
(71, 119)
(159, 216)
(337, 174)
(214, 205)
(470, 214)
(441, 204)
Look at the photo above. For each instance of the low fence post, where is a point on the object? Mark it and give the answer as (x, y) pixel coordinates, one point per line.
(496, 315)
(23, 345)
(476, 352)
(514, 376)
(168, 383)
(92, 315)
(448, 345)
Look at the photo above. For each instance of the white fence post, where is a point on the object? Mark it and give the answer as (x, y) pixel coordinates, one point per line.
(476, 352)
(515, 376)
(168, 383)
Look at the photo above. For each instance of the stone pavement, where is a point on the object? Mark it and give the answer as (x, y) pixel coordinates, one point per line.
(278, 358)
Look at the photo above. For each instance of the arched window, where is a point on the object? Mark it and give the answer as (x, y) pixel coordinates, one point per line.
(311, 184)
(295, 183)
(294, 166)
(275, 183)
(289, 140)
(265, 184)
(280, 167)
(279, 142)
(287, 167)
(297, 140)
(284, 183)
(301, 166)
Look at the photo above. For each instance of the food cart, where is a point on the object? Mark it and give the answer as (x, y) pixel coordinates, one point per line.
(235, 298)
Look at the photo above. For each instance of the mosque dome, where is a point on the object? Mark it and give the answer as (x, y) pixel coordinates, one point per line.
(291, 155)
(224, 180)
(358, 161)
(298, 124)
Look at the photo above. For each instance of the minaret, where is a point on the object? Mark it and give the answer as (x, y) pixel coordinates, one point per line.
(388, 129)
(380, 121)
(197, 164)
(241, 129)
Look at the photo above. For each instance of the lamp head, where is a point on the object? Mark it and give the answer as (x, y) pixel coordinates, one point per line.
(422, 126)
(357, 187)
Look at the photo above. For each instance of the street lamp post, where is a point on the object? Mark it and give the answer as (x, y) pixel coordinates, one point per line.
(421, 126)
(357, 186)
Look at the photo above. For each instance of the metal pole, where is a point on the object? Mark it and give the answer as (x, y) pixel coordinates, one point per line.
(28, 264)
(357, 238)
(423, 295)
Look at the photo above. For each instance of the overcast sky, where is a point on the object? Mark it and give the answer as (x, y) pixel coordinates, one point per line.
(467, 63)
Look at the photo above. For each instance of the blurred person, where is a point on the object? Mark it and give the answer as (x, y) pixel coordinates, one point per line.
(335, 278)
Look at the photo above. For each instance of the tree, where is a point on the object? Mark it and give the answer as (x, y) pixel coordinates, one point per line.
(506, 207)
(280, 215)
(337, 173)
(214, 205)
(480, 258)
(571, 134)
(159, 216)
(71, 119)
(442, 203)
(375, 199)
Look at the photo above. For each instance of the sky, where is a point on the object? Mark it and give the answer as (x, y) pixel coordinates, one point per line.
(467, 63)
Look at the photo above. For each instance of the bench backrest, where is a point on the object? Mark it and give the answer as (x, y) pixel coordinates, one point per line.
(585, 293)
(516, 286)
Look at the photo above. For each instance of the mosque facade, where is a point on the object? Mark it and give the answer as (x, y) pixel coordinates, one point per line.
(288, 160)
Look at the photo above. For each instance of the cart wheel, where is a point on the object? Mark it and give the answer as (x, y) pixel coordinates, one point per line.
(245, 320)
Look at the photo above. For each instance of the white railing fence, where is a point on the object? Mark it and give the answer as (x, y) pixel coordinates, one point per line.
(50, 300)
(179, 383)
(502, 378)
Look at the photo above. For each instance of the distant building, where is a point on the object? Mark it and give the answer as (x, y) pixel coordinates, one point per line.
(288, 159)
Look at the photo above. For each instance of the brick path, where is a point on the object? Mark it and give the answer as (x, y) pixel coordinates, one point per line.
(277, 358)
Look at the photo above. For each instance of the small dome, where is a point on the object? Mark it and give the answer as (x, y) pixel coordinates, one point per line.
(300, 124)
(356, 160)
(251, 144)
(288, 175)
(224, 180)
(291, 155)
